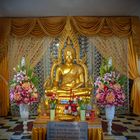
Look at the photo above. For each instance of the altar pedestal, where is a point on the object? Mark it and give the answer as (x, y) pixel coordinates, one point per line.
(39, 128)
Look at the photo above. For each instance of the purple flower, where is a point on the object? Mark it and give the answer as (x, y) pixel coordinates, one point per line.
(11, 94)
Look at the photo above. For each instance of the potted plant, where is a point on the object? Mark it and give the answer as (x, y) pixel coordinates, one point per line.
(82, 102)
(52, 100)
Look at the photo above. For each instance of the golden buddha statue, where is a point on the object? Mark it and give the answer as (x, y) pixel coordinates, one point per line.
(69, 79)
(70, 75)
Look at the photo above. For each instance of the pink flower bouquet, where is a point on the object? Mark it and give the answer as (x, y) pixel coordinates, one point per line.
(109, 90)
(22, 87)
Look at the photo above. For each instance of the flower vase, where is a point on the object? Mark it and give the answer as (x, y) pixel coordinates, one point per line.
(24, 111)
(52, 114)
(109, 113)
(82, 115)
(24, 114)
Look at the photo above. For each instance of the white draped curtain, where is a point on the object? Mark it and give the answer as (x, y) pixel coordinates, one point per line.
(33, 48)
(113, 47)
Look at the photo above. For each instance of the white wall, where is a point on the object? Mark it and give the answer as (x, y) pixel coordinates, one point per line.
(40, 8)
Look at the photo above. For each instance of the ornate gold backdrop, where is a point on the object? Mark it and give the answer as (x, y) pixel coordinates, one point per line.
(54, 26)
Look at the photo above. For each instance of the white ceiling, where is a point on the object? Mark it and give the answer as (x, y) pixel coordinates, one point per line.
(39, 8)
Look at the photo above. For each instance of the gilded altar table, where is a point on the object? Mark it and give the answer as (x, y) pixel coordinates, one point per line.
(39, 130)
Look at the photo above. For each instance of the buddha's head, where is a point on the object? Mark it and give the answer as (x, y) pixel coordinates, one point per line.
(69, 54)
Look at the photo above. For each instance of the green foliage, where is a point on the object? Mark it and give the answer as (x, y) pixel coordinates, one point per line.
(30, 72)
(105, 68)
(34, 78)
(122, 80)
(83, 102)
(12, 82)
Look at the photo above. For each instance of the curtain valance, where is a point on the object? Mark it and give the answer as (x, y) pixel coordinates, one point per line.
(88, 26)
(51, 26)
(106, 26)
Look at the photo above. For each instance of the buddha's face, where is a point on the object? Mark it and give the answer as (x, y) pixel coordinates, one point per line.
(69, 57)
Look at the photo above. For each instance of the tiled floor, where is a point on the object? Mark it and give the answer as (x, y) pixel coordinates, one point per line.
(126, 127)
(130, 130)
(11, 128)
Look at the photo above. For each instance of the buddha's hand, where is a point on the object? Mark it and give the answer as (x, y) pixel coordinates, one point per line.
(68, 86)
(54, 89)
(73, 83)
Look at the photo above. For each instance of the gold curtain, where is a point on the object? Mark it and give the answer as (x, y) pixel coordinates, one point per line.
(93, 134)
(135, 27)
(51, 26)
(106, 26)
(4, 93)
(133, 73)
(4, 33)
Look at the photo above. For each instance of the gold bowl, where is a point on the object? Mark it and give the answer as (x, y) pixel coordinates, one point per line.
(66, 118)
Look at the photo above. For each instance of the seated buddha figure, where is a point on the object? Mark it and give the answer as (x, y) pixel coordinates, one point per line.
(69, 77)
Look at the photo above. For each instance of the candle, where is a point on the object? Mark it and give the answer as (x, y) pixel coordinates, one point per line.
(110, 62)
(23, 61)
